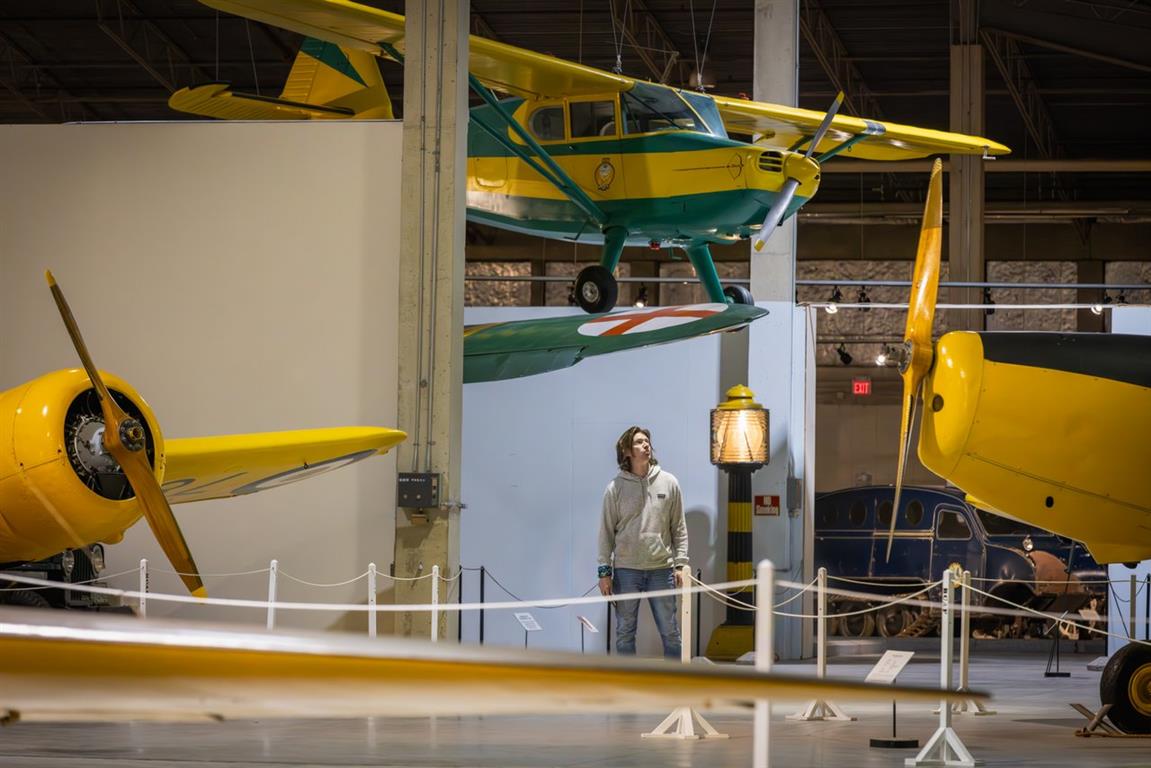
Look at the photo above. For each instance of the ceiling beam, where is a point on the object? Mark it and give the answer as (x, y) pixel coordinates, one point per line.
(147, 45)
(18, 72)
(835, 61)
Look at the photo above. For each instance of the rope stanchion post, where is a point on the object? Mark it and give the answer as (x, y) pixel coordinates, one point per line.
(483, 582)
(273, 567)
(820, 709)
(682, 722)
(967, 705)
(371, 599)
(142, 608)
(945, 747)
(764, 657)
(435, 603)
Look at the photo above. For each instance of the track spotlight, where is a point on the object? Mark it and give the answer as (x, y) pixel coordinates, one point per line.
(864, 298)
(844, 356)
(641, 297)
(836, 297)
(1121, 298)
(883, 356)
(1096, 309)
(988, 301)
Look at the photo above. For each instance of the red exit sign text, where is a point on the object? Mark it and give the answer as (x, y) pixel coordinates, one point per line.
(861, 386)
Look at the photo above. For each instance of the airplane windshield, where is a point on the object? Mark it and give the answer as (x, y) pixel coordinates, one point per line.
(649, 108)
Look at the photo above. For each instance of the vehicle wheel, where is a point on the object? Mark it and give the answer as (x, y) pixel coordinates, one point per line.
(892, 620)
(859, 625)
(737, 294)
(596, 289)
(1126, 686)
(24, 598)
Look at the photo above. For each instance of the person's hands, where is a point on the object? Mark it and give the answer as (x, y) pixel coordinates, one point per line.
(605, 586)
(679, 578)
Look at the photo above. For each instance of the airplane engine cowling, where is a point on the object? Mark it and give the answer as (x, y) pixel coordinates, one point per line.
(58, 488)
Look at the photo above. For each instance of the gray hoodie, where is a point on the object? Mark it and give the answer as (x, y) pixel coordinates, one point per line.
(643, 522)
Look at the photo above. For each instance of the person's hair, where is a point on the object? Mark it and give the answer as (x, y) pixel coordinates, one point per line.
(623, 447)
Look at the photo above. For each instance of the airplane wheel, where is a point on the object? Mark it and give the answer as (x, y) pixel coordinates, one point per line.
(737, 294)
(892, 620)
(1126, 686)
(859, 625)
(596, 289)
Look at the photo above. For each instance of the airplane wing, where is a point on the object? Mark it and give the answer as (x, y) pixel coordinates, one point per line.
(509, 350)
(57, 665)
(499, 66)
(220, 101)
(788, 126)
(199, 468)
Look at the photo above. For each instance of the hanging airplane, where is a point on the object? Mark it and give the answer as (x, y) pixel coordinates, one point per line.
(579, 154)
(1052, 429)
(82, 458)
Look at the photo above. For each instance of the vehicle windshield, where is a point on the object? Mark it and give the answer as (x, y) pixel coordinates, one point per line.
(995, 525)
(648, 108)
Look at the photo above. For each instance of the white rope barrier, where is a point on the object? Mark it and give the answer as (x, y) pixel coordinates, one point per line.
(323, 585)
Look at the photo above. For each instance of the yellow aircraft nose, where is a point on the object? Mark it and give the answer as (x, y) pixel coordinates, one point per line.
(950, 398)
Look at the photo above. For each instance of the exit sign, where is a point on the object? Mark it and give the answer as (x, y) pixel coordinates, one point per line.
(861, 386)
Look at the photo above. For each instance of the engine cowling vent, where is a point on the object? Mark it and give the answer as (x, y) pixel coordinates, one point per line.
(771, 161)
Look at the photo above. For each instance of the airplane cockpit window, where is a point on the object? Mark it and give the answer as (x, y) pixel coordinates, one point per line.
(649, 108)
(705, 107)
(592, 118)
(547, 123)
(952, 525)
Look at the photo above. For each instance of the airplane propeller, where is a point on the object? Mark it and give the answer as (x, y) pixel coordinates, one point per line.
(126, 440)
(917, 352)
(787, 191)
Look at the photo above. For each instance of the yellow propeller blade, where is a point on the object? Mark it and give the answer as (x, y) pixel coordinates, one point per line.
(917, 347)
(125, 439)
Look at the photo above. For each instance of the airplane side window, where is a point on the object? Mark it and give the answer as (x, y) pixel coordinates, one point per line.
(592, 118)
(883, 515)
(913, 513)
(858, 514)
(548, 123)
(953, 526)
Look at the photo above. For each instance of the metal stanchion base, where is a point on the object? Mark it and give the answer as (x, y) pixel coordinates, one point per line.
(944, 748)
(681, 724)
(895, 743)
(822, 710)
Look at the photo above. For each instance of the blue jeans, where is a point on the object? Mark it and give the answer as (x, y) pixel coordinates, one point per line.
(663, 610)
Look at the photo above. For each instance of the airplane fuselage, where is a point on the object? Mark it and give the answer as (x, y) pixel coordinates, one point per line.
(660, 182)
(1052, 429)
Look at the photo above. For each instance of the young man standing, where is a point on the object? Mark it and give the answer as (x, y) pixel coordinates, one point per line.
(642, 541)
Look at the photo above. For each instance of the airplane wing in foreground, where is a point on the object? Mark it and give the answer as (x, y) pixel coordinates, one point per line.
(61, 666)
(199, 468)
(509, 350)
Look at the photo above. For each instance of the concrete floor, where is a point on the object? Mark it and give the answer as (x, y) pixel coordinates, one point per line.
(1034, 727)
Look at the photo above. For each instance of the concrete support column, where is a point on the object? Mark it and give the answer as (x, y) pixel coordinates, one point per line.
(778, 353)
(432, 296)
(965, 252)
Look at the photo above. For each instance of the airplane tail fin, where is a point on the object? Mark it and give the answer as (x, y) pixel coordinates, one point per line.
(326, 82)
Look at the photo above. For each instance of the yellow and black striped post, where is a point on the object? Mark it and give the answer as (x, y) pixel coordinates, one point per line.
(739, 430)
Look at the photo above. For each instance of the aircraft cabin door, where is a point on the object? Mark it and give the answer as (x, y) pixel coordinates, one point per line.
(593, 157)
(955, 542)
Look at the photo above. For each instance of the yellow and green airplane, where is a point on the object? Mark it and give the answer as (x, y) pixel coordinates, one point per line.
(576, 153)
(1053, 429)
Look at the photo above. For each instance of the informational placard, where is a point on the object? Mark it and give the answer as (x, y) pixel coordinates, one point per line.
(888, 668)
(528, 622)
(587, 624)
(767, 505)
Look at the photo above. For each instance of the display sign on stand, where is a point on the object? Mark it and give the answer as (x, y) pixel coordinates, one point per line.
(529, 623)
(885, 672)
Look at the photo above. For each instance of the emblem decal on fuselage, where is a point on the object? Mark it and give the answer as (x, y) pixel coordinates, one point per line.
(604, 175)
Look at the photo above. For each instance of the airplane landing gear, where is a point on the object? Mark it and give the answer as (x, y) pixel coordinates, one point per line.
(596, 289)
(1126, 686)
(737, 294)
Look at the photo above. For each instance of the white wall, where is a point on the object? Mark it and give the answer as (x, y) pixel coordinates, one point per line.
(538, 453)
(1133, 320)
(242, 277)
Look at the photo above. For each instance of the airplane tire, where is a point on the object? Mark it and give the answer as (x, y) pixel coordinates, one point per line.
(25, 598)
(737, 294)
(596, 289)
(1126, 686)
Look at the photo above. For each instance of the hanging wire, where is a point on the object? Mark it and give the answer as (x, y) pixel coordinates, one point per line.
(217, 46)
(617, 39)
(252, 54)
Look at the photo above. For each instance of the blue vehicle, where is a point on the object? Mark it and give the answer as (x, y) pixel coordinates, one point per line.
(936, 528)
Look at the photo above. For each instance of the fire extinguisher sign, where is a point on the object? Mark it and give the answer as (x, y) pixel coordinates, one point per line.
(767, 505)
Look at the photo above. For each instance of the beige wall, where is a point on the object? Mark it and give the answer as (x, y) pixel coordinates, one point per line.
(242, 277)
(852, 439)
